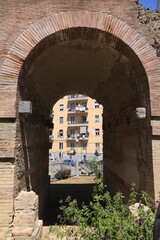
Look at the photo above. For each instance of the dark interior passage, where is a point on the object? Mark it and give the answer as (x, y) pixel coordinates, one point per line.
(80, 192)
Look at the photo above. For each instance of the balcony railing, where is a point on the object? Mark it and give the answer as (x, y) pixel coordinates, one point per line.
(51, 137)
(73, 97)
(51, 114)
(80, 137)
(78, 109)
(77, 124)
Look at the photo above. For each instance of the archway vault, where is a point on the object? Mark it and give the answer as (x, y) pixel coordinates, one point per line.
(63, 20)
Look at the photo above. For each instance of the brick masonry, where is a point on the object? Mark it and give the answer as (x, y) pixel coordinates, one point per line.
(24, 26)
(6, 192)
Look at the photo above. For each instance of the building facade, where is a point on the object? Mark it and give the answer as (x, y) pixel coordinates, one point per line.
(77, 129)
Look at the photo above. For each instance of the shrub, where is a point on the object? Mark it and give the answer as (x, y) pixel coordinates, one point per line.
(107, 218)
(63, 174)
(95, 168)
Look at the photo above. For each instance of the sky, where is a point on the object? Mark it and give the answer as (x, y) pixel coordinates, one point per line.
(151, 4)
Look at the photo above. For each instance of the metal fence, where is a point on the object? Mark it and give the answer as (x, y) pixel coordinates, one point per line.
(54, 166)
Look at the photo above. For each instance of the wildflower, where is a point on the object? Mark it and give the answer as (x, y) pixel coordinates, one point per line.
(140, 223)
(58, 216)
(152, 206)
(69, 197)
(61, 201)
(122, 228)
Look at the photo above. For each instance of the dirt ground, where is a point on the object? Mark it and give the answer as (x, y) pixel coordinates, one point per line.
(79, 188)
(76, 180)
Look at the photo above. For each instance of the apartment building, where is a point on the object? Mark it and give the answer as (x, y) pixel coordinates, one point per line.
(77, 131)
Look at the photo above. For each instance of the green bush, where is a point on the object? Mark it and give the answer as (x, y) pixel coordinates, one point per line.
(107, 218)
(63, 174)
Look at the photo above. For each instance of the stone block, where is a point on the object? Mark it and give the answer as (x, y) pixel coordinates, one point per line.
(26, 209)
(34, 233)
(141, 112)
(37, 233)
(26, 201)
(22, 231)
(25, 107)
(26, 219)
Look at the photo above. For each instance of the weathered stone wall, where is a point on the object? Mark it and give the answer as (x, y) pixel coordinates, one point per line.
(31, 160)
(151, 19)
(127, 144)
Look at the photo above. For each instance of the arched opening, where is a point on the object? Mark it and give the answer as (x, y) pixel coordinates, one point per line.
(102, 66)
(76, 151)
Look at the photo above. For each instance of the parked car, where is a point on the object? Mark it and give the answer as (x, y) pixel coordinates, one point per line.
(69, 161)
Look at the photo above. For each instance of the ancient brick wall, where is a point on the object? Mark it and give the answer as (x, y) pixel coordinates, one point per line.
(6, 192)
(16, 16)
(25, 141)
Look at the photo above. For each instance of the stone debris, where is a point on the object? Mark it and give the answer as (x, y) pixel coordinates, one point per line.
(134, 209)
(152, 21)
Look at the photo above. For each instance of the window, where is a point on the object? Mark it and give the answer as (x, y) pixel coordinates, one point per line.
(72, 145)
(84, 104)
(61, 120)
(96, 118)
(96, 104)
(84, 145)
(61, 107)
(60, 133)
(84, 119)
(72, 95)
(97, 146)
(97, 131)
(61, 145)
(72, 105)
(72, 119)
(72, 132)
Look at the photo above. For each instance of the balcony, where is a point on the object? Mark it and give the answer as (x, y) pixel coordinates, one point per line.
(74, 97)
(51, 138)
(78, 109)
(77, 124)
(73, 137)
(51, 114)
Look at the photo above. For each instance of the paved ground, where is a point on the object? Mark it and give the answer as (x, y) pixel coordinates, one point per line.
(79, 188)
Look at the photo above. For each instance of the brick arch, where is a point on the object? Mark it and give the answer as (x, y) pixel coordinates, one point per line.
(63, 20)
